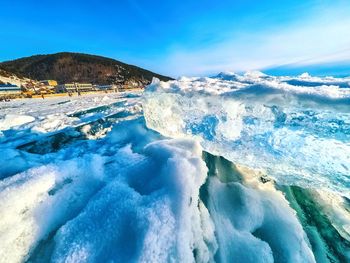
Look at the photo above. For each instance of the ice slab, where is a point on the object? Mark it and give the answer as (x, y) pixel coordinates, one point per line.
(297, 134)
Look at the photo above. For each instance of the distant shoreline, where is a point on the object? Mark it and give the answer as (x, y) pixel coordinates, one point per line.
(75, 94)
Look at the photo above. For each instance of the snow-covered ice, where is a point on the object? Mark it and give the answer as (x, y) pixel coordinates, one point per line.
(232, 168)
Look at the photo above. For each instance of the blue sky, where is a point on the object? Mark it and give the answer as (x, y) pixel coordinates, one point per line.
(182, 38)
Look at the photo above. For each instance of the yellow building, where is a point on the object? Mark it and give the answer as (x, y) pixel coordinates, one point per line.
(50, 82)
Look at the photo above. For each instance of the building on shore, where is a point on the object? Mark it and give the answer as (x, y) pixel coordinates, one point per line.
(68, 87)
(111, 87)
(46, 87)
(74, 87)
(10, 90)
(49, 82)
(84, 87)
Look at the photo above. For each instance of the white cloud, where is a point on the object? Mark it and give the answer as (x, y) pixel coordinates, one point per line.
(323, 37)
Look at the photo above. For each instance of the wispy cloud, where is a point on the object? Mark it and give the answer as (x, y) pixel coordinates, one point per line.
(321, 38)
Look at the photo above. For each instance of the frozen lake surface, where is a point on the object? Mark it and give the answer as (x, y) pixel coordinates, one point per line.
(233, 168)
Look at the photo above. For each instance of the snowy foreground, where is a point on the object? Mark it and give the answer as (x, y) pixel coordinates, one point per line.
(234, 168)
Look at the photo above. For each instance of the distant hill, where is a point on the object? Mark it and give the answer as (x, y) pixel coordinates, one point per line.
(76, 67)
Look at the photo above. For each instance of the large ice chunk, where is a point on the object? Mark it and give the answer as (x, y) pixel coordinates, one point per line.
(297, 134)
